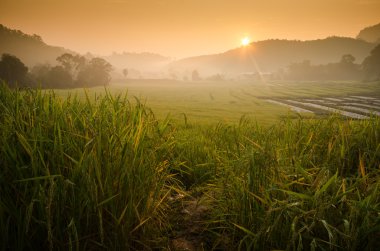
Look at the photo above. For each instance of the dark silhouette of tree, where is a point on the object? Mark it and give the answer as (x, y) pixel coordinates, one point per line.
(95, 73)
(371, 65)
(125, 72)
(13, 71)
(347, 59)
(345, 69)
(72, 72)
(40, 74)
(195, 76)
(52, 77)
(72, 63)
(58, 77)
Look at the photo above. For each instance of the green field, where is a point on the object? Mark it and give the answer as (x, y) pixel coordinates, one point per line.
(101, 171)
(227, 101)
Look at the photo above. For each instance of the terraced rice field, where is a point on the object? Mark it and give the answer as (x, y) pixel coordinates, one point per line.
(356, 107)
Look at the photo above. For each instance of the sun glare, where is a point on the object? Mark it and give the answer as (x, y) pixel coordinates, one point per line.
(245, 41)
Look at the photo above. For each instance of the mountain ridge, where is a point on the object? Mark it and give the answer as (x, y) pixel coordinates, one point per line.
(32, 50)
(274, 54)
(28, 47)
(370, 34)
(264, 56)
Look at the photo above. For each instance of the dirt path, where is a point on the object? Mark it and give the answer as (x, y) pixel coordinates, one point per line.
(189, 219)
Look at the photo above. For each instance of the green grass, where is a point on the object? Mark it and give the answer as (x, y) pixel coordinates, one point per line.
(208, 102)
(92, 172)
(81, 175)
(302, 185)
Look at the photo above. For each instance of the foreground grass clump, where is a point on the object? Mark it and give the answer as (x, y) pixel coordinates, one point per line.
(80, 175)
(300, 185)
(103, 173)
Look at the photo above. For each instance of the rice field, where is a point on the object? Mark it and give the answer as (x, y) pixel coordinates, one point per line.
(103, 172)
(355, 107)
(291, 107)
(209, 102)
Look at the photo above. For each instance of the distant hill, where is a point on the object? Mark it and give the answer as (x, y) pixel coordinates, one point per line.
(265, 56)
(29, 48)
(272, 55)
(370, 34)
(32, 50)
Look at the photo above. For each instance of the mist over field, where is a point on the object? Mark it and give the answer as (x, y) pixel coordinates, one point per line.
(189, 125)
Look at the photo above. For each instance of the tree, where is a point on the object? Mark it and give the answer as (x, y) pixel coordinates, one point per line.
(52, 77)
(347, 59)
(371, 65)
(40, 74)
(58, 77)
(195, 76)
(125, 72)
(96, 72)
(12, 70)
(347, 68)
(72, 63)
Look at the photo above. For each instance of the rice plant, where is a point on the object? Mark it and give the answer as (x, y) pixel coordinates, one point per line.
(101, 172)
(304, 185)
(81, 175)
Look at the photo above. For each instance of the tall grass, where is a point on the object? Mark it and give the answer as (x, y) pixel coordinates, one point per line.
(303, 185)
(99, 173)
(80, 175)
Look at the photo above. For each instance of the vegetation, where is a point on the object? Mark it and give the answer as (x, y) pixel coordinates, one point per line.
(13, 70)
(371, 64)
(74, 71)
(370, 34)
(96, 72)
(80, 175)
(346, 69)
(104, 173)
(210, 101)
(267, 56)
(272, 55)
(31, 49)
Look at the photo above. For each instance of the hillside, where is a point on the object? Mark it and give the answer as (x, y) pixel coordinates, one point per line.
(263, 56)
(31, 49)
(272, 55)
(370, 34)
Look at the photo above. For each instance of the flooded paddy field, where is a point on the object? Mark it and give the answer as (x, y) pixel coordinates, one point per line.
(356, 107)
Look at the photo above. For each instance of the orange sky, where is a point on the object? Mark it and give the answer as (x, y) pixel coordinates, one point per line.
(181, 28)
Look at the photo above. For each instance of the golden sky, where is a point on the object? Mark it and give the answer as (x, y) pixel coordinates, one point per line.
(179, 28)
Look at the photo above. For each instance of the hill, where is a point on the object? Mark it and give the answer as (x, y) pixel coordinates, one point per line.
(272, 55)
(370, 34)
(31, 49)
(264, 56)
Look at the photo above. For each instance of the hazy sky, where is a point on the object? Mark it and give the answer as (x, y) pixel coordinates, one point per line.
(180, 28)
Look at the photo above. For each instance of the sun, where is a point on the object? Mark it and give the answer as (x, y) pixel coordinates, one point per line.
(245, 41)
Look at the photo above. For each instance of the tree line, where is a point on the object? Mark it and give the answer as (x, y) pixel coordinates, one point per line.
(71, 71)
(345, 69)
